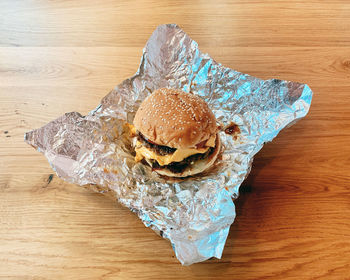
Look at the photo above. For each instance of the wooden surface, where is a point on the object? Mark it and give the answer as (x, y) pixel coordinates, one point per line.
(293, 213)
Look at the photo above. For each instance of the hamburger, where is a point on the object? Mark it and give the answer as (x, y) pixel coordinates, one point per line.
(176, 133)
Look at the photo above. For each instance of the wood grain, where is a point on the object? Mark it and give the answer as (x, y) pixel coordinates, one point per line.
(293, 212)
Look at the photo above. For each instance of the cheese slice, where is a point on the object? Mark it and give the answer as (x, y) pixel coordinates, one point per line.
(177, 156)
(131, 129)
(211, 141)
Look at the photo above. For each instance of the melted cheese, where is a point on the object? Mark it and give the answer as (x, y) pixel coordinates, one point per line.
(211, 141)
(178, 155)
(131, 129)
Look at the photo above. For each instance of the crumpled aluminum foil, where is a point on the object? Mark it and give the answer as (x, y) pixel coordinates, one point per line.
(195, 214)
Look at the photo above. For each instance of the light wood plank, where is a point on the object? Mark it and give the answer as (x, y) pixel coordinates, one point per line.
(218, 23)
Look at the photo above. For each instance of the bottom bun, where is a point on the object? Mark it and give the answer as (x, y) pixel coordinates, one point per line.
(198, 167)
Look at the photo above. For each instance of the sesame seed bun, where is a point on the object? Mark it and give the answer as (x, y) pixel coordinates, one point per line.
(174, 118)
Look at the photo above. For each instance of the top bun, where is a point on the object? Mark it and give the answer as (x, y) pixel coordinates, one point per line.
(174, 118)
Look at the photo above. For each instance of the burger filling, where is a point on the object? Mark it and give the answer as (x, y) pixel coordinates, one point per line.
(176, 160)
(179, 167)
(158, 149)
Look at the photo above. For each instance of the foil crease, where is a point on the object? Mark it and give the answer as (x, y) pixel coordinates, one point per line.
(195, 214)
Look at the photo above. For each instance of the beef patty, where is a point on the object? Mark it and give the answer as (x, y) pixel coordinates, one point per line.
(158, 149)
(175, 167)
(179, 167)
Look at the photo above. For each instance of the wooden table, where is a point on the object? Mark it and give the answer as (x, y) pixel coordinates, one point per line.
(293, 214)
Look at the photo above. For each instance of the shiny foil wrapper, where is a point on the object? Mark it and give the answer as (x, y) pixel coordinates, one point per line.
(195, 213)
